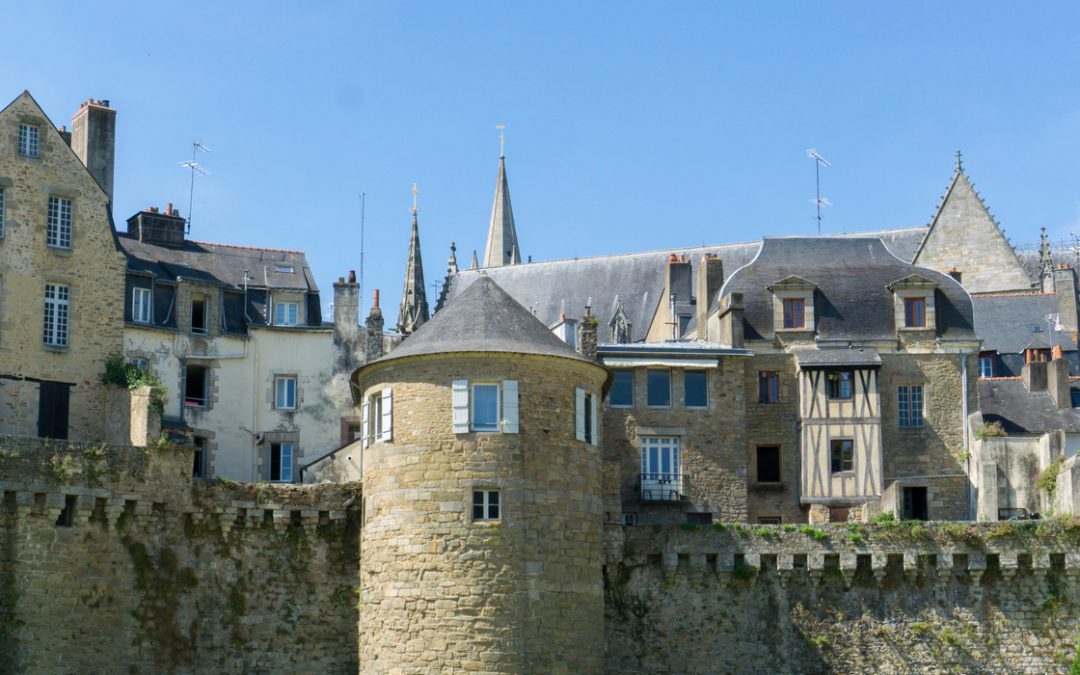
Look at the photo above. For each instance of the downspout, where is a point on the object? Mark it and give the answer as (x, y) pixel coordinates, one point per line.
(964, 421)
(254, 407)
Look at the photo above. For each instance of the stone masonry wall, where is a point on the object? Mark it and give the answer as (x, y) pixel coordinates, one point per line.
(151, 572)
(774, 424)
(888, 598)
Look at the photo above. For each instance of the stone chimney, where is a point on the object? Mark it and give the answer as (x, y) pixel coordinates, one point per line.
(1057, 379)
(710, 277)
(374, 326)
(729, 321)
(154, 227)
(1065, 288)
(587, 330)
(1034, 376)
(346, 310)
(93, 138)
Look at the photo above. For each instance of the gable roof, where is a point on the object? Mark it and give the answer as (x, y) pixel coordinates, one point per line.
(483, 318)
(852, 301)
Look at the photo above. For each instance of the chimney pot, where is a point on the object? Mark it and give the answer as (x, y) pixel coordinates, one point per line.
(341, 280)
(375, 301)
(672, 258)
(352, 276)
(168, 209)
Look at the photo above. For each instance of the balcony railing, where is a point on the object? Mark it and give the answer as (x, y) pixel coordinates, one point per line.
(661, 487)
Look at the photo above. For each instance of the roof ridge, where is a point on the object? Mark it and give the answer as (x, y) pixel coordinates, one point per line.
(1011, 295)
(247, 248)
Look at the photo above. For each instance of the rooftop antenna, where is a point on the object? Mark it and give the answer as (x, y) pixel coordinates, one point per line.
(196, 168)
(812, 153)
(363, 200)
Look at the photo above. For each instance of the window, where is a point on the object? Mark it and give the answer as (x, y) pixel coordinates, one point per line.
(283, 269)
(354, 431)
(485, 505)
(910, 399)
(378, 415)
(768, 464)
(842, 454)
(28, 140)
(769, 520)
(198, 468)
(57, 306)
(140, 363)
(286, 313)
(658, 383)
(915, 312)
(794, 313)
(684, 324)
(198, 314)
(661, 471)
(1, 212)
(629, 519)
(986, 365)
(622, 389)
(67, 515)
(915, 504)
(839, 384)
(285, 392)
(195, 385)
(281, 462)
(585, 419)
(58, 232)
(485, 406)
(140, 305)
(697, 518)
(696, 389)
(768, 386)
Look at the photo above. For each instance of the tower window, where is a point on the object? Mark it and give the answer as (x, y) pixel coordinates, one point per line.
(485, 505)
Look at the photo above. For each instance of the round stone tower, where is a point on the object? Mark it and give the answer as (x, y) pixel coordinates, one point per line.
(481, 546)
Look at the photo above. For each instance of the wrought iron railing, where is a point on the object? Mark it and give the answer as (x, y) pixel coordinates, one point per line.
(662, 487)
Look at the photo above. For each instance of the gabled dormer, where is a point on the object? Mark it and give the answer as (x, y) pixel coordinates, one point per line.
(913, 305)
(793, 305)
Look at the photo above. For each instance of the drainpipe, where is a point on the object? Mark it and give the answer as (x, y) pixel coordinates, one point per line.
(964, 407)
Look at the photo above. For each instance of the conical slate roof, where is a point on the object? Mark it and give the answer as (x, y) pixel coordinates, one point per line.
(484, 318)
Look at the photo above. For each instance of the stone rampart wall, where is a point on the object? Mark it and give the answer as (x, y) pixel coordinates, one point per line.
(894, 597)
(114, 560)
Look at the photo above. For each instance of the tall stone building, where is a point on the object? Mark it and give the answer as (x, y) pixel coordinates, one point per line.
(61, 271)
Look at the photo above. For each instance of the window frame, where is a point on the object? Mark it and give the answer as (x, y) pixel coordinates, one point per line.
(795, 319)
(911, 406)
(287, 313)
(279, 380)
(147, 312)
(490, 510)
(771, 381)
(280, 446)
(704, 375)
(986, 365)
(649, 389)
(29, 140)
(834, 384)
(56, 316)
(58, 222)
(915, 311)
(486, 427)
(190, 402)
(616, 374)
(846, 457)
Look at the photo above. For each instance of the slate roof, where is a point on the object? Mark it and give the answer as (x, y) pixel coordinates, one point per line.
(823, 358)
(483, 318)
(852, 301)
(1020, 411)
(1004, 322)
(549, 289)
(219, 264)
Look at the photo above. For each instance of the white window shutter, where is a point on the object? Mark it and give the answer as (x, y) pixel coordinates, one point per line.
(579, 414)
(510, 406)
(364, 423)
(460, 390)
(387, 415)
(594, 436)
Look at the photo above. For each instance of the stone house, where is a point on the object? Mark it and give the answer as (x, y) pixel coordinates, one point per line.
(61, 271)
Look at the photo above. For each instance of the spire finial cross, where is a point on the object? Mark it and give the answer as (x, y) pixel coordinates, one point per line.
(502, 139)
(415, 193)
(959, 161)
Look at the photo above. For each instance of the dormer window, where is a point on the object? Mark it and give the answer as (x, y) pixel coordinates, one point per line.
(793, 304)
(794, 313)
(913, 302)
(286, 313)
(915, 312)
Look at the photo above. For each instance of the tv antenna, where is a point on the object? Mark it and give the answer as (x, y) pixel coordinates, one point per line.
(363, 201)
(819, 201)
(196, 168)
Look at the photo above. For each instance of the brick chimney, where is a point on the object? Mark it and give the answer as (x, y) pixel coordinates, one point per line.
(1057, 379)
(729, 320)
(374, 327)
(587, 330)
(347, 310)
(154, 227)
(93, 138)
(710, 277)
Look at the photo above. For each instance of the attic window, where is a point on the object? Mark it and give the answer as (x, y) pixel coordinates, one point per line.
(284, 269)
(1036, 328)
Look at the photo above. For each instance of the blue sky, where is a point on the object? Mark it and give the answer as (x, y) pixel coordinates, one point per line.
(630, 125)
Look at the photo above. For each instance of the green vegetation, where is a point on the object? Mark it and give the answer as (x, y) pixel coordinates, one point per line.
(1047, 480)
(120, 374)
(688, 527)
(920, 628)
(744, 572)
(719, 527)
(815, 533)
(990, 430)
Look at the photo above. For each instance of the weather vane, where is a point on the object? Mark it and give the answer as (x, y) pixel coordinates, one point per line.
(502, 139)
(415, 193)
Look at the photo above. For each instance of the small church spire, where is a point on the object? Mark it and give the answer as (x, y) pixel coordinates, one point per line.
(414, 307)
(502, 243)
(959, 161)
(1046, 264)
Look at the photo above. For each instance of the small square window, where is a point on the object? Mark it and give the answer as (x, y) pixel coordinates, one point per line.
(695, 518)
(658, 383)
(839, 384)
(622, 389)
(281, 462)
(285, 392)
(140, 305)
(915, 312)
(768, 386)
(629, 519)
(696, 389)
(29, 137)
(794, 313)
(768, 464)
(485, 407)
(58, 223)
(842, 455)
(485, 505)
(286, 313)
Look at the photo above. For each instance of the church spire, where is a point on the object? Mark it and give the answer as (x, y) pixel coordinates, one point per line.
(414, 306)
(502, 243)
(1046, 264)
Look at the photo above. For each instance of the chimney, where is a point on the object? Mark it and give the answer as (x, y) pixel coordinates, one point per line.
(729, 321)
(566, 330)
(1057, 379)
(710, 277)
(154, 227)
(1065, 288)
(374, 328)
(346, 311)
(93, 138)
(1034, 375)
(587, 334)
